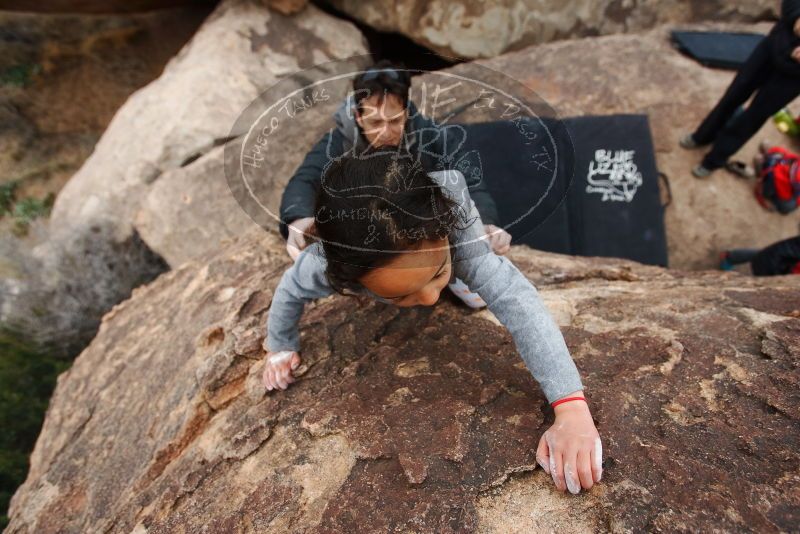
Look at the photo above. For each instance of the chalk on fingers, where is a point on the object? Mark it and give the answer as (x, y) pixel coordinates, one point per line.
(573, 485)
(543, 465)
(598, 458)
(280, 357)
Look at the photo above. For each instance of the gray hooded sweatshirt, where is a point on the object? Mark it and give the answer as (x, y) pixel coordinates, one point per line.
(509, 295)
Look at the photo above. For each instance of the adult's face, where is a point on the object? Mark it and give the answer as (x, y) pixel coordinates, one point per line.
(382, 120)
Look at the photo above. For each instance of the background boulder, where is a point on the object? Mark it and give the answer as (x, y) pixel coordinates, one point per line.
(423, 418)
(471, 29)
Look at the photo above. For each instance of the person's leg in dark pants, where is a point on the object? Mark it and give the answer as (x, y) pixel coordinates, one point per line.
(736, 256)
(749, 78)
(741, 255)
(777, 91)
(778, 258)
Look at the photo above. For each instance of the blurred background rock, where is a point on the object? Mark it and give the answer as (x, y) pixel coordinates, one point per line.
(65, 69)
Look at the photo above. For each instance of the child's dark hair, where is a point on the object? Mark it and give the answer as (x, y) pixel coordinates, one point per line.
(372, 207)
(382, 78)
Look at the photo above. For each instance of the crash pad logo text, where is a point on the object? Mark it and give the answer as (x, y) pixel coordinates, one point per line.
(614, 175)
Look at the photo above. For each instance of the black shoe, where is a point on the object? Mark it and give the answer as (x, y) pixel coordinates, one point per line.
(688, 142)
(740, 169)
(701, 172)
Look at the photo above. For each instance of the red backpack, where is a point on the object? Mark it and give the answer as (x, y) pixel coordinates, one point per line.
(778, 182)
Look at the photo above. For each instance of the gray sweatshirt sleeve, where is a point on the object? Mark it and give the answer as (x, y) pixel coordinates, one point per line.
(513, 299)
(302, 282)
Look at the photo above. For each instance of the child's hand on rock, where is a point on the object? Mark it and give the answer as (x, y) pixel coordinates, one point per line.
(278, 369)
(571, 451)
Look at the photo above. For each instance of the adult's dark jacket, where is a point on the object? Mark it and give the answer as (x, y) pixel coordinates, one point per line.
(784, 40)
(442, 151)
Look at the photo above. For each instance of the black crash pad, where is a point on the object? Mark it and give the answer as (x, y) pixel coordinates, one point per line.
(604, 199)
(721, 50)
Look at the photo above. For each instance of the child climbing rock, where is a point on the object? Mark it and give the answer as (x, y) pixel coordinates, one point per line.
(389, 230)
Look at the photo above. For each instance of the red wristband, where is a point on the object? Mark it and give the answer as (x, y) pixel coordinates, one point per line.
(567, 399)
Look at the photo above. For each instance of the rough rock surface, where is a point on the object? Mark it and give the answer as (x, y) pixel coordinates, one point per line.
(94, 255)
(423, 419)
(472, 29)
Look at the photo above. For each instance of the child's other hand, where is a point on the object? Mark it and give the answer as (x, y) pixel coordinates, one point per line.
(499, 239)
(278, 369)
(570, 450)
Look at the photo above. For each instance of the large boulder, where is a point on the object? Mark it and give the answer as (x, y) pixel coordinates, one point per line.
(423, 419)
(470, 29)
(94, 255)
(190, 211)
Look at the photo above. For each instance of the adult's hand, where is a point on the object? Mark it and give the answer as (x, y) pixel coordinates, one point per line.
(297, 240)
(499, 239)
